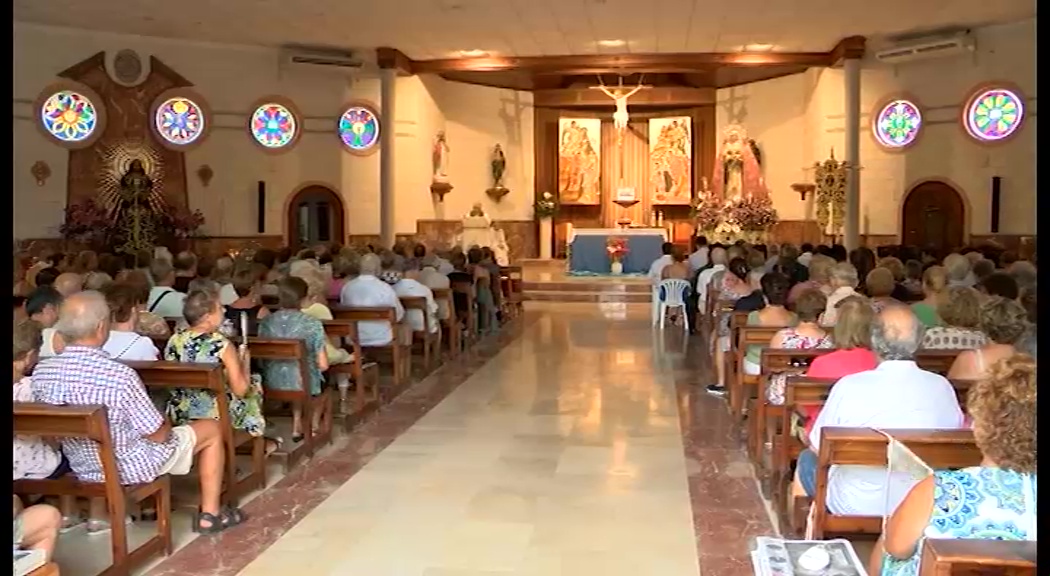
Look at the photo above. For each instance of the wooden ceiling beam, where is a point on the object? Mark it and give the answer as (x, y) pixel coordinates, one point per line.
(584, 98)
(388, 58)
(851, 47)
(623, 63)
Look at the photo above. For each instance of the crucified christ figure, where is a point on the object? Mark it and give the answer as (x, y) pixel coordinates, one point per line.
(620, 96)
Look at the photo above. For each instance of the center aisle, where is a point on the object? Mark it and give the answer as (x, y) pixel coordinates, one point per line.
(562, 455)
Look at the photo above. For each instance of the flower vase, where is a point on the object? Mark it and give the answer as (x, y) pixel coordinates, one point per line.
(546, 233)
(616, 267)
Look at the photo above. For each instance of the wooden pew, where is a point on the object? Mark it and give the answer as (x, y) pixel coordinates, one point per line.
(511, 283)
(364, 375)
(940, 449)
(806, 392)
(963, 557)
(431, 340)
(295, 350)
(49, 569)
(745, 386)
(467, 317)
(401, 355)
(774, 361)
(172, 375)
(90, 422)
(448, 324)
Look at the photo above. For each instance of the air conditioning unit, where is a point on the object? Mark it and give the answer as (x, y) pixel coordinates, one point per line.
(320, 60)
(930, 47)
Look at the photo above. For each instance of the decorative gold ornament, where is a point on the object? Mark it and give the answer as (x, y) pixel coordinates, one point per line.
(41, 172)
(205, 174)
(830, 178)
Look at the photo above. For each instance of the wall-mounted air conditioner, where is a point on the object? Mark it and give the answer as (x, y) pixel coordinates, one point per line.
(930, 47)
(320, 60)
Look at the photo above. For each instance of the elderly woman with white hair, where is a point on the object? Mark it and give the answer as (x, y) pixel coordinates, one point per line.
(843, 280)
(960, 271)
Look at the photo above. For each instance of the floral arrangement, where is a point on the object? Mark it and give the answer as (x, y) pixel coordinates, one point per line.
(616, 246)
(753, 214)
(183, 222)
(87, 222)
(546, 206)
(706, 213)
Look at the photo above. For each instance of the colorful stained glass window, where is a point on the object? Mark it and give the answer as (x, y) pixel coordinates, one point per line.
(359, 128)
(274, 126)
(994, 114)
(69, 116)
(179, 120)
(898, 124)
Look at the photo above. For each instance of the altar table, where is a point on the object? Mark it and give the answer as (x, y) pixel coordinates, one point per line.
(588, 252)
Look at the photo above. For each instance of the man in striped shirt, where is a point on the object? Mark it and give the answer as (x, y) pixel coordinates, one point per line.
(144, 443)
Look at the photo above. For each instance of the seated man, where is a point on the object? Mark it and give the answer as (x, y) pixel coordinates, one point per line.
(367, 290)
(69, 283)
(409, 286)
(164, 300)
(145, 445)
(42, 305)
(896, 394)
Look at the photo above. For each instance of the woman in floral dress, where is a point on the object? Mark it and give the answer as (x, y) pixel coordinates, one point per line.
(805, 335)
(993, 501)
(203, 342)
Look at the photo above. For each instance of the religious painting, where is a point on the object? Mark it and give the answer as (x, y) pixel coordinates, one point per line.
(579, 161)
(671, 160)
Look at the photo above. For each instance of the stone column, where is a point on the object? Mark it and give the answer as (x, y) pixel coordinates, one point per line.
(851, 222)
(387, 93)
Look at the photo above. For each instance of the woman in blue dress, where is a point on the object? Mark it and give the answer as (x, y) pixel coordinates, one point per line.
(993, 501)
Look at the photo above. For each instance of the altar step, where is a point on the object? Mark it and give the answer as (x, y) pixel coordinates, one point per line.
(625, 291)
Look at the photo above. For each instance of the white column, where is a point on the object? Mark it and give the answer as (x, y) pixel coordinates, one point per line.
(851, 222)
(387, 84)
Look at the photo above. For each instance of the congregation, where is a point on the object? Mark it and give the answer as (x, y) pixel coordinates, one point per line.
(898, 339)
(89, 326)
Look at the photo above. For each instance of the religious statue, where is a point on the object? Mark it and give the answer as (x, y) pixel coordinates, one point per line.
(134, 212)
(499, 166)
(737, 173)
(620, 96)
(441, 158)
(478, 230)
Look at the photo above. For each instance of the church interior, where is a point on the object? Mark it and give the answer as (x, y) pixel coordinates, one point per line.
(573, 140)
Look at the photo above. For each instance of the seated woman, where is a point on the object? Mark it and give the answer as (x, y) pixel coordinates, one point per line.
(727, 286)
(1004, 322)
(124, 343)
(843, 279)
(291, 322)
(934, 290)
(880, 289)
(819, 278)
(900, 273)
(995, 500)
(146, 323)
(202, 342)
(852, 336)
(959, 311)
(775, 287)
(805, 335)
(913, 280)
(678, 268)
(246, 283)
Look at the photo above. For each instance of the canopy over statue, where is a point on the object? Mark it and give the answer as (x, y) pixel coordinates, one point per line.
(478, 230)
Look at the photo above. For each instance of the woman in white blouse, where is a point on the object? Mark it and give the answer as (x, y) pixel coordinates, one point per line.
(123, 343)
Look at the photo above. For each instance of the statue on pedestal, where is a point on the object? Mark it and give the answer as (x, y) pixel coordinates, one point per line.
(499, 166)
(440, 158)
(478, 230)
(737, 173)
(134, 213)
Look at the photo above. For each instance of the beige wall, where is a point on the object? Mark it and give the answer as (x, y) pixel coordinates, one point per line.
(231, 78)
(798, 120)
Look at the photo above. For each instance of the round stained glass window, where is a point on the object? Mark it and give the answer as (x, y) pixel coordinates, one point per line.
(179, 121)
(69, 116)
(994, 114)
(897, 124)
(359, 128)
(274, 126)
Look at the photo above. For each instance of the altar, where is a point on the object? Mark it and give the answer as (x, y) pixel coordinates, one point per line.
(588, 254)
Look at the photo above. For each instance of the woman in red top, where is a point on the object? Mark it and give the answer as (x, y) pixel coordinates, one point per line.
(852, 334)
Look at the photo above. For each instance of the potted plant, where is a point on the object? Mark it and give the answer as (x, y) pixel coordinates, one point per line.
(87, 223)
(616, 246)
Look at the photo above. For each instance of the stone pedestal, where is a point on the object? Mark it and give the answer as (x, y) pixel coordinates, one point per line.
(546, 237)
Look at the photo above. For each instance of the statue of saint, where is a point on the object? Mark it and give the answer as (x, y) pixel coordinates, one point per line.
(737, 173)
(440, 158)
(134, 213)
(499, 166)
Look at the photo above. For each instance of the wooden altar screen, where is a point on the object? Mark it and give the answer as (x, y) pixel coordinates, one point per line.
(635, 169)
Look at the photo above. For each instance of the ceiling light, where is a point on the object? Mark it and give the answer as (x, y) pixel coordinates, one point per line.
(611, 43)
(758, 48)
(473, 53)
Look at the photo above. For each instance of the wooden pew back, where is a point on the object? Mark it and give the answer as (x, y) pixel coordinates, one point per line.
(971, 557)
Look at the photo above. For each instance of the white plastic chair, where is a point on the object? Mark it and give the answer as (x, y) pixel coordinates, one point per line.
(674, 293)
(655, 299)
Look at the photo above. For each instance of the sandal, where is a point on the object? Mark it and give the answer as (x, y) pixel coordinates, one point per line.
(232, 516)
(215, 524)
(297, 438)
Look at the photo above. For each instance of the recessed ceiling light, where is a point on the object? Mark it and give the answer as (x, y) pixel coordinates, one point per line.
(473, 53)
(758, 48)
(611, 43)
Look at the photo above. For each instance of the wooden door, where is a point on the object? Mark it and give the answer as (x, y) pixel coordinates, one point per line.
(315, 216)
(933, 216)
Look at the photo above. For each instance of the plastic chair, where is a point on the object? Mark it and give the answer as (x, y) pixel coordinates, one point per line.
(655, 299)
(672, 294)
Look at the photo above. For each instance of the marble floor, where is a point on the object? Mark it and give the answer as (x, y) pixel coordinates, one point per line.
(579, 441)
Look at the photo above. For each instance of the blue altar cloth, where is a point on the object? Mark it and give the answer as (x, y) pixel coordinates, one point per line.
(588, 253)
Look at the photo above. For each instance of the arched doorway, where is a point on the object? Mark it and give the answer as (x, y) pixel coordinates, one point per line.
(933, 216)
(315, 215)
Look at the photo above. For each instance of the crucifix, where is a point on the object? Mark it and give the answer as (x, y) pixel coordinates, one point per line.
(619, 96)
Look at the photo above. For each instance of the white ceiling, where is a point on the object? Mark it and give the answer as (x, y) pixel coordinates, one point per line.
(425, 29)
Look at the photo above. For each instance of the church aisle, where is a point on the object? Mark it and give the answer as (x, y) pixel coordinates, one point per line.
(563, 454)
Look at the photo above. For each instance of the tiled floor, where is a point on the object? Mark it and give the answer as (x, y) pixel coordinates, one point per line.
(578, 442)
